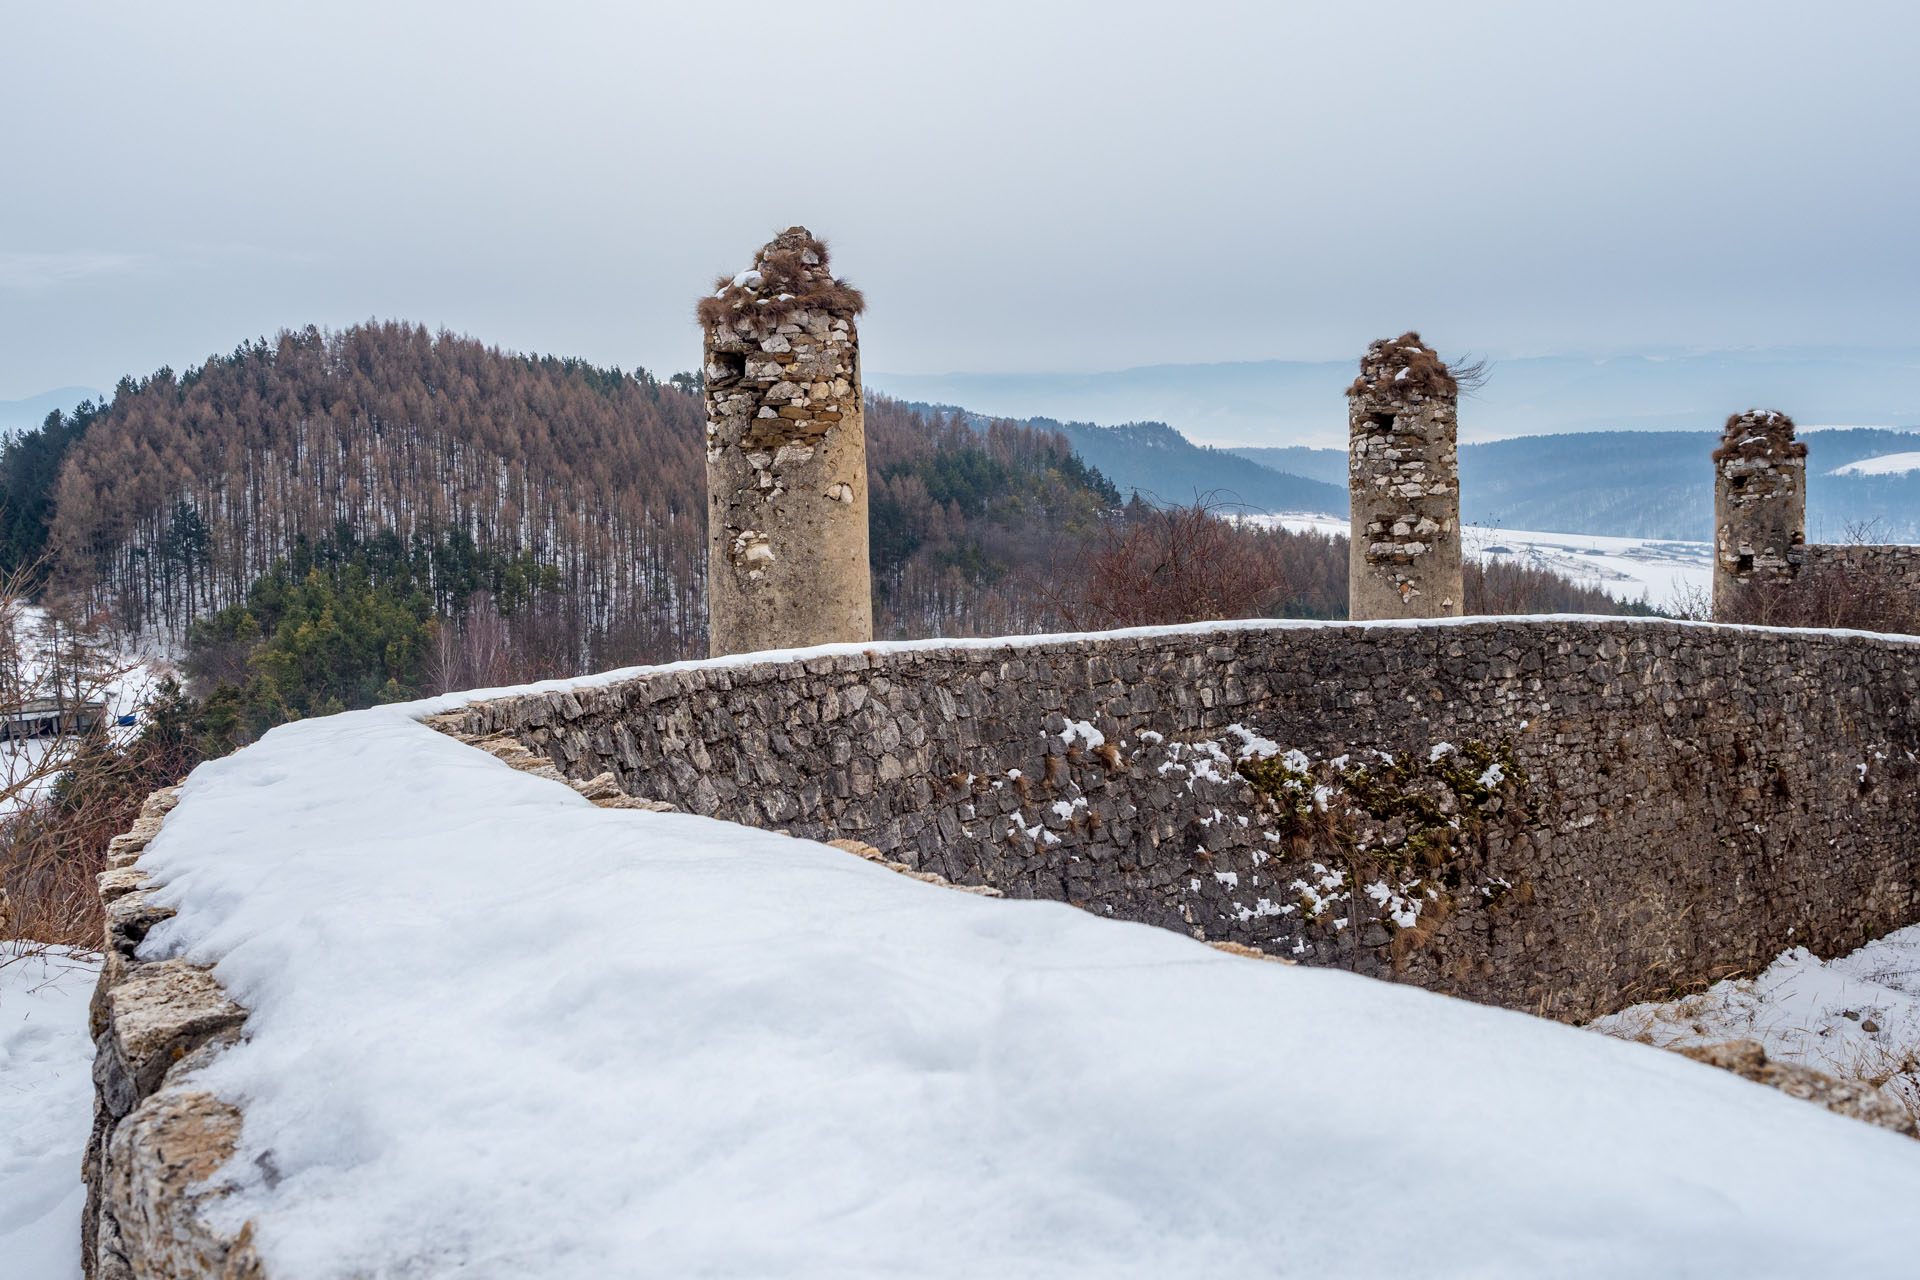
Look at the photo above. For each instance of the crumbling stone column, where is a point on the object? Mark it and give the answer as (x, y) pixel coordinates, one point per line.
(1759, 505)
(786, 455)
(1403, 484)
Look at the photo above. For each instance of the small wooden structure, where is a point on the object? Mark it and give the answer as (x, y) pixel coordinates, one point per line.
(51, 717)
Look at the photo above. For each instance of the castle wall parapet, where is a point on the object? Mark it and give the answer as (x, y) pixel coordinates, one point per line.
(1559, 815)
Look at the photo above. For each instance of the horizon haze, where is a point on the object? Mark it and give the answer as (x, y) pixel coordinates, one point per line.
(1017, 188)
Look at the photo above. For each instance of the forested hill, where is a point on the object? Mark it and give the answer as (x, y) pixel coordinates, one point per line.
(1163, 467)
(545, 485)
(187, 488)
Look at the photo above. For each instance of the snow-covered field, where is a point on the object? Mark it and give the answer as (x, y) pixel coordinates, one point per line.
(1856, 1017)
(499, 1031)
(1887, 464)
(1659, 573)
(46, 1109)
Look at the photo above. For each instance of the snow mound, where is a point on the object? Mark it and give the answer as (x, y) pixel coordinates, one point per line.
(498, 1031)
(46, 1109)
(1854, 1018)
(1887, 464)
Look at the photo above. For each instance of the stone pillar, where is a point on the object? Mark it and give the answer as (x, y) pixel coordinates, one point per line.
(1403, 485)
(1759, 505)
(786, 455)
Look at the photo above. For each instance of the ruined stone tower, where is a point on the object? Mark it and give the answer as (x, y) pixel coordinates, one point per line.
(1759, 505)
(1403, 484)
(786, 455)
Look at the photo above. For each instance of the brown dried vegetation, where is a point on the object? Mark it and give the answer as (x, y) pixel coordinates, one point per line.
(1426, 373)
(1834, 594)
(794, 276)
(1759, 433)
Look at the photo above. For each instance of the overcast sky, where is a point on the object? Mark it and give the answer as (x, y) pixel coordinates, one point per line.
(1028, 186)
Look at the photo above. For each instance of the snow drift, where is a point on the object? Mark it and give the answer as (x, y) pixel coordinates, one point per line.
(500, 1031)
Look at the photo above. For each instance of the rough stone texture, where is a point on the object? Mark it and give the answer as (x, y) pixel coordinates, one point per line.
(786, 455)
(155, 1137)
(1748, 1058)
(1675, 803)
(1759, 505)
(1895, 566)
(159, 1161)
(1403, 481)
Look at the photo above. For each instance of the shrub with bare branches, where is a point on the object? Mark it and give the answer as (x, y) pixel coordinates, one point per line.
(1147, 566)
(1833, 594)
(63, 789)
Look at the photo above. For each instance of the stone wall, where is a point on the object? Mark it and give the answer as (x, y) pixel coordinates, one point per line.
(787, 557)
(1759, 505)
(1895, 566)
(1575, 814)
(1403, 485)
(156, 1137)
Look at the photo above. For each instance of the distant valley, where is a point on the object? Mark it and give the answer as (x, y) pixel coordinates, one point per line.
(1658, 484)
(1625, 484)
(1288, 402)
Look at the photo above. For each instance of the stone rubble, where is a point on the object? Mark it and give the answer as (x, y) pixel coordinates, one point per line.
(1748, 1059)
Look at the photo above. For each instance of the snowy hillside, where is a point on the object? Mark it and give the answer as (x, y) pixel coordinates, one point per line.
(1887, 464)
(515, 1034)
(1655, 571)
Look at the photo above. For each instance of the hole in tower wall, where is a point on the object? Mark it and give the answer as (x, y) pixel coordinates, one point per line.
(1384, 421)
(1745, 565)
(1737, 482)
(728, 366)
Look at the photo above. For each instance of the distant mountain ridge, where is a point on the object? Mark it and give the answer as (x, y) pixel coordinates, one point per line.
(1290, 402)
(1164, 467)
(1653, 484)
(19, 415)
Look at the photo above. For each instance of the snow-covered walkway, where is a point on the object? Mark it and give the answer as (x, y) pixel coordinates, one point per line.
(498, 1031)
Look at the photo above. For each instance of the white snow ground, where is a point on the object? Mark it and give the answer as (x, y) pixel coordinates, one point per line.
(1650, 570)
(1856, 1017)
(46, 1110)
(496, 1028)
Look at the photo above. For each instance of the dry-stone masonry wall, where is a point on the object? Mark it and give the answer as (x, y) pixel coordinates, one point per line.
(1403, 482)
(157, 1137)
(1891, 567)
(786, 455)
(1759, 505)
(1560, 816)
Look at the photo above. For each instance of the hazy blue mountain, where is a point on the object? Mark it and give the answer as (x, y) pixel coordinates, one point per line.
(1326, 465)
(1163, 466)
(16, 415)
(1160, 464)
(1281, 402)
(1651, 484)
